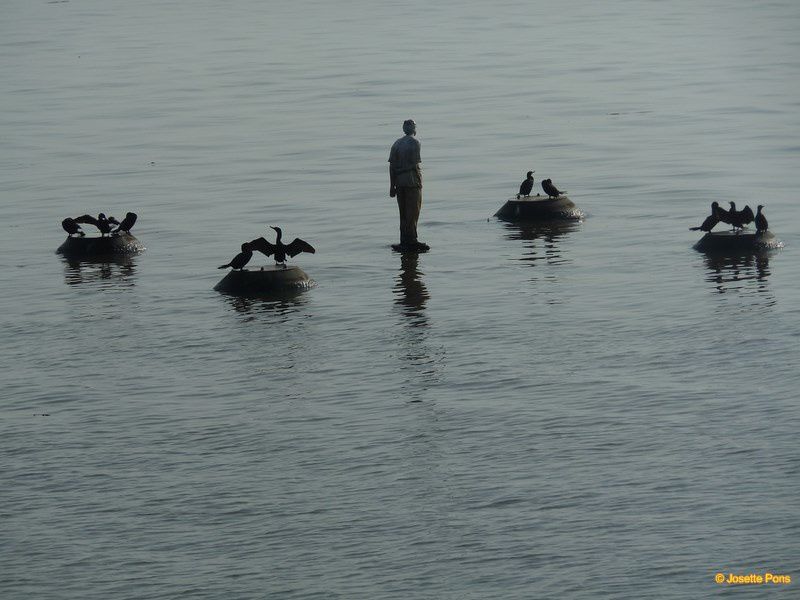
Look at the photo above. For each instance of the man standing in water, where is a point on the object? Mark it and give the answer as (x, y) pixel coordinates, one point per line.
(405, 182)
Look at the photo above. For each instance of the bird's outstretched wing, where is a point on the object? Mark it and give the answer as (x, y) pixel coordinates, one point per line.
(127, 223)
(723, 215)
(89, 219)
(747, 215)
(297, 246)
(263, 246)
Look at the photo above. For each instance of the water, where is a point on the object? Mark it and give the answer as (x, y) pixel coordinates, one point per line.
(596, 411)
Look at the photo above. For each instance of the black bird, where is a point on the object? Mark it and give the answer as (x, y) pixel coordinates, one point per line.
(723, 214)
(71, 226)
(710, 221)
(551, 190)
(127, 223)
(241, 259)
(761, 220)
(279, 250)
(526, 186)
(101, 222)
(739, 218)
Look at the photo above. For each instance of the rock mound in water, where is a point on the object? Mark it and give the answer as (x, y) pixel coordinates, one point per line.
(264, 280)
(738, 242)
(539, 208)
(91, 247)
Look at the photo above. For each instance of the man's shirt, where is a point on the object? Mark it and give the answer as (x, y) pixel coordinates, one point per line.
(405, 162)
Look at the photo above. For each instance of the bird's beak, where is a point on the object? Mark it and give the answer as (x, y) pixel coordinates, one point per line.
(275, 228)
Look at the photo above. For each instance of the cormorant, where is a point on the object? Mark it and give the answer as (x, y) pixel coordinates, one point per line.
(761, 220)
(279, 250)
(526, 186)
(127, 223)
(739, 218)
(71, 226)
(710, 221)
(101, 222)
(723, 214)
(551, 190)
(241, 259)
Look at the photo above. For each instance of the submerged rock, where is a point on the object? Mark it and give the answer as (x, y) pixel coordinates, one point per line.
(411, 248)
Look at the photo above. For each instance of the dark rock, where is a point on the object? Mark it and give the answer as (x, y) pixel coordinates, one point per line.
(265, 280)
(539, 209)
(94, 247)
(737, 242)
(414, 247)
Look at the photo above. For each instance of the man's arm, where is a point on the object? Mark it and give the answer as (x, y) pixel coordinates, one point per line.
(392, 187)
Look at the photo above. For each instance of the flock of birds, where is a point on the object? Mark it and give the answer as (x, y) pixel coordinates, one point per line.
(526, 187)
(278, 250)
(735, 218)
(103, 223)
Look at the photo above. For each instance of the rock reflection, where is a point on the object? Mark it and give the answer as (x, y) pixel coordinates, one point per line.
(283, 303)
(410, 292)
(745, 273)
(119, 270)
(542, 239)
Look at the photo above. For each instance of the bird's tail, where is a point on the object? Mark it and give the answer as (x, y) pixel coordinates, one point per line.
(694, 229)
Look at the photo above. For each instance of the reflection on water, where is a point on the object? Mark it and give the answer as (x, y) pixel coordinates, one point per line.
(421, 363)
(742, 274)
(410, 291)
(281, 303)
(120, 270)
(541, 239)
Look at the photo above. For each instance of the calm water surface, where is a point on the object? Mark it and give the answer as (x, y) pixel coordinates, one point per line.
(589, 411)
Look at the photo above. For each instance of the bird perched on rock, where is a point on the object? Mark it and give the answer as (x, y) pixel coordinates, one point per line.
(761, 220)
(101, 222)
(279, 250)
(526, 186)
(126, 224)
(240, 260)
(710, 221)
(551, 190)
(71, 226)
(739, 218)
(723, 214)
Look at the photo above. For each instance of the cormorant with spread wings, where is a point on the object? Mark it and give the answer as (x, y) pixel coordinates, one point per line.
(102, 222)
(739, 218)
(279, 250)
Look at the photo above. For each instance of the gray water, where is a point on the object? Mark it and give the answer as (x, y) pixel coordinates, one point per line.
(593, 411)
